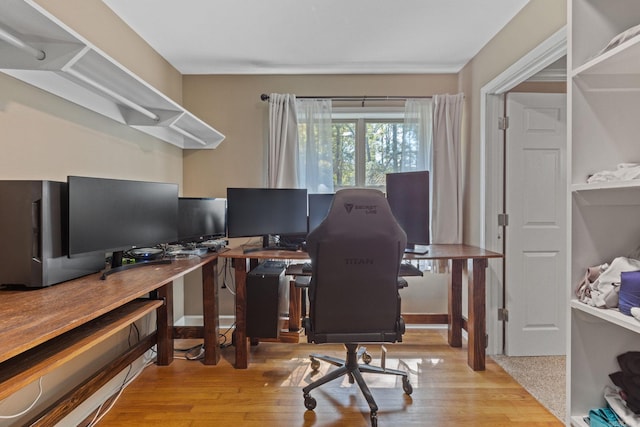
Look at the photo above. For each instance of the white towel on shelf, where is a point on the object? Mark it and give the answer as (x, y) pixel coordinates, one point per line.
(623, 172)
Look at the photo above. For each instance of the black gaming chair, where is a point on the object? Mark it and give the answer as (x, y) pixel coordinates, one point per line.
(355, 257)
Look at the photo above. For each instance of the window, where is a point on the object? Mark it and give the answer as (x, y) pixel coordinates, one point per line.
(367, 145)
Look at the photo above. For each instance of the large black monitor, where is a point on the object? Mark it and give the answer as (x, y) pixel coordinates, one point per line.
(408, 197)
(266, 211)
(319, 204)
(201, 218)
(112, 215)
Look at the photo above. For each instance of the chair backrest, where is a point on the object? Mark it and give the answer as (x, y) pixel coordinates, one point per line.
(355, 255)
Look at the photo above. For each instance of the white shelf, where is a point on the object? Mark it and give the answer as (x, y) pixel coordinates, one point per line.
(604, 96)
(611, 185)
(578, 421)
(619, 193)
(623, 59)
(612, 316)
(79, 72)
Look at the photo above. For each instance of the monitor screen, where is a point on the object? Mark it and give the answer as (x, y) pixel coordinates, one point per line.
(115, 215)
(266, 211)
(408, 197)
(319, 204)
(201, 218)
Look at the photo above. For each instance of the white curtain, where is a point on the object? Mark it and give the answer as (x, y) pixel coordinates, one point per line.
(446, 172)
(315, 154)
(283, 141)
(417, 136)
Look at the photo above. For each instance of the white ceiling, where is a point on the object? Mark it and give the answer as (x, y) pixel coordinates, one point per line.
(316, 36)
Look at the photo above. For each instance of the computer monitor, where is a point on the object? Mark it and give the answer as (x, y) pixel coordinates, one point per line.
(408, 197)
(201, 218)
(319, 204)
(112, 215)
(265, 212)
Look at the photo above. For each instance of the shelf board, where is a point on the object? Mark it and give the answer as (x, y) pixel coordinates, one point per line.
(21, 370)
(611, 185)
(609, 315)
(79, 72)
(618, 193)
(578, 421)
(623, 59)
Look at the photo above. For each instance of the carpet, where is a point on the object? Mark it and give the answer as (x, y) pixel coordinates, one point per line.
(544, 377)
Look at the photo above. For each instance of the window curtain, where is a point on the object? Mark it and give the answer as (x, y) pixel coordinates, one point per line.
(283, 141)
(417, 137)
(315, 153)
(446, 172)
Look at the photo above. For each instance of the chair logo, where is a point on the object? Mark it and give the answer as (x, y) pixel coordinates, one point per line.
(358, 261)
(348, 207)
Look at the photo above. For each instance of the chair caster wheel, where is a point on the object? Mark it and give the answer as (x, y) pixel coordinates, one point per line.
(366, 358)
(406, 386)
(315, 364)
(309, 402)
(374, 419)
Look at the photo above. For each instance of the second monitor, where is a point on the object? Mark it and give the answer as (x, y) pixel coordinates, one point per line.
(266, 212)
(408, 197)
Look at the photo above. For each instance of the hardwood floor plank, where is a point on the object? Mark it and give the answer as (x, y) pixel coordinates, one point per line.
(269, 393)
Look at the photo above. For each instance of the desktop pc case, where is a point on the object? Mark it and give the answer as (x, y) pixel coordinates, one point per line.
(267, 300)
(33, 224)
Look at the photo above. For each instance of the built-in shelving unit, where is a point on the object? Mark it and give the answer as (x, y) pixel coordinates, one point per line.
(40, 50)
(604, 131)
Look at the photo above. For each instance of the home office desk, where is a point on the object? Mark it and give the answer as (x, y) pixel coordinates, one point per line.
(41, 329)
(457, 255)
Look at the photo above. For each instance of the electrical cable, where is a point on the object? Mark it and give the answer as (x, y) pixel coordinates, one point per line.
(115, 395)
(229, 271)
(10, 417)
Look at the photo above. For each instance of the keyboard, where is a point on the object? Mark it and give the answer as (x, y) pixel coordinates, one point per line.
(407, 269)
(273, 264)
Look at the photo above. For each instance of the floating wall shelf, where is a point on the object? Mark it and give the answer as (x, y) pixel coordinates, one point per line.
(40, 50)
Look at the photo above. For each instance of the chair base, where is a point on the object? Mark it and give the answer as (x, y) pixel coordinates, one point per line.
(351, 367)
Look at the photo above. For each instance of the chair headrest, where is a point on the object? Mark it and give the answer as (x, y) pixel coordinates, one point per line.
(359, 211)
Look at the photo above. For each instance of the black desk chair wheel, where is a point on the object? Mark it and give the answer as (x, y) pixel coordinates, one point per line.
(353, 294)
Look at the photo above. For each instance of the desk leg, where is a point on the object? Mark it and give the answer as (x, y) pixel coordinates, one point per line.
(295, 307)
(210, 313)
(476, 324)
(455, 303)
(240, 334)
(164, 325)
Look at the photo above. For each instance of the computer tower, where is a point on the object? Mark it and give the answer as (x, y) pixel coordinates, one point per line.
(267, 300)
(33, 229)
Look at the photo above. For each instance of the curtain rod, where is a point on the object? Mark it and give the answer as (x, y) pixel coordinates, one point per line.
(265, 97)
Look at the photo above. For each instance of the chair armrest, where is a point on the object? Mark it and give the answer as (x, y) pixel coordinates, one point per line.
(402, 283)
(303, 281)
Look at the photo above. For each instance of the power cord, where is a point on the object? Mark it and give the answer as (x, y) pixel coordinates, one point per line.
(19, 414)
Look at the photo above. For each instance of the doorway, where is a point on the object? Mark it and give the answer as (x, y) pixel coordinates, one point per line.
(493, 172)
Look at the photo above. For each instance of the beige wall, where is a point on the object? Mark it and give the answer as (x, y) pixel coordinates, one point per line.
(541, 87)
(537, 21)
(233, 104)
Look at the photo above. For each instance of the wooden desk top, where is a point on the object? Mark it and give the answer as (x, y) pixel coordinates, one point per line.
(30, 317)
(453, 251)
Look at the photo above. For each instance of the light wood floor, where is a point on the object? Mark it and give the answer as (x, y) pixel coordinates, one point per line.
(446, 391)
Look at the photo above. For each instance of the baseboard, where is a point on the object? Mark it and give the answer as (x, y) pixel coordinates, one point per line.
(225, 321)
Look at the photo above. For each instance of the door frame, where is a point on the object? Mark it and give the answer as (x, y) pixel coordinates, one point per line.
(491, 168)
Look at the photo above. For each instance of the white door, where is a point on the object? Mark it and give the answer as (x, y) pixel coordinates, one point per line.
(535, 257)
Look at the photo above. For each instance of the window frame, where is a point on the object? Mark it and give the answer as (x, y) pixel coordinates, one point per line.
(361, 116)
